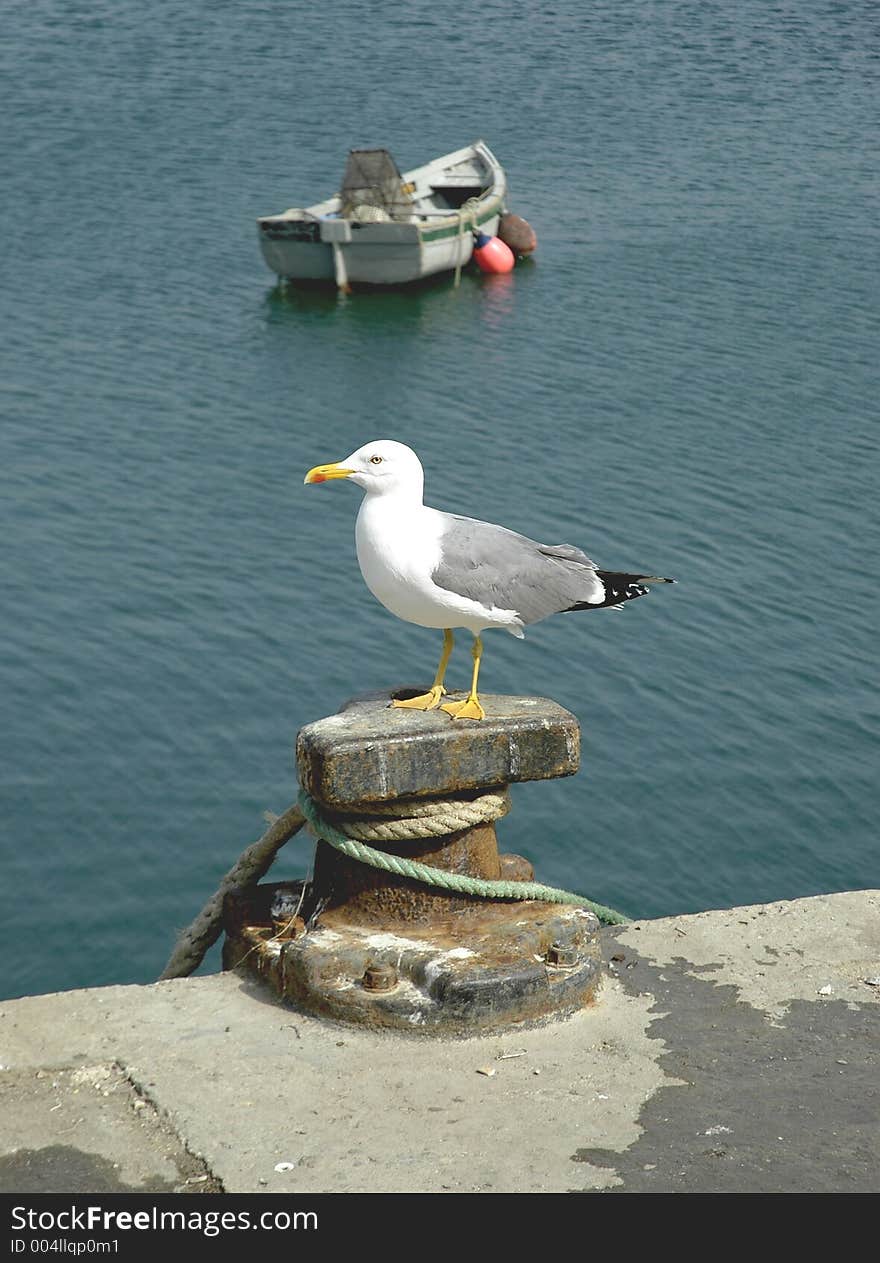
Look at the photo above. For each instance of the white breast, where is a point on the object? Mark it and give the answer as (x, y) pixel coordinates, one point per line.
(398, 549)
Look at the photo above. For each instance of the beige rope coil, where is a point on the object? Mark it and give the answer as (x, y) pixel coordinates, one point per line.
(409, 819)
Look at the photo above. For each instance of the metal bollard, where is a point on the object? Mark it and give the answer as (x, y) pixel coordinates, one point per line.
(387, 951)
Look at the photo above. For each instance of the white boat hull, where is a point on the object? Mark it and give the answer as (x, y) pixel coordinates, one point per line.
(318, 245)
(381, 254)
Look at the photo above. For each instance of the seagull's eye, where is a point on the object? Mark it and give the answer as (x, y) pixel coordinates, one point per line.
(375, 460)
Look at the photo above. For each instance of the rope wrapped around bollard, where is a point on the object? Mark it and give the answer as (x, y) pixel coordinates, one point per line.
(424, 820)
(406, 820)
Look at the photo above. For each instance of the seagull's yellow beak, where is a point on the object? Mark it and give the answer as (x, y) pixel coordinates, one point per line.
(322, 472)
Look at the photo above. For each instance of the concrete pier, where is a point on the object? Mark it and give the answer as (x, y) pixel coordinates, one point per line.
(730, 1050)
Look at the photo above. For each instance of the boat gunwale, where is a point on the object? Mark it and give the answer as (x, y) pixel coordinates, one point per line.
(497, 188)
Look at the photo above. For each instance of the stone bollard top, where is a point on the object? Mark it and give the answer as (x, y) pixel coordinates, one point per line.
(369, 752)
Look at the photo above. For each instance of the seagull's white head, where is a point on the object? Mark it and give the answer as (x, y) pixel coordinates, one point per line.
(380, 468)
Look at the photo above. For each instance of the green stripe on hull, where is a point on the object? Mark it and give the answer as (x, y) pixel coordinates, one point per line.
(437, 234)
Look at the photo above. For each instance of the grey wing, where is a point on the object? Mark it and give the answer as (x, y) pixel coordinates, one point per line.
(497, 567)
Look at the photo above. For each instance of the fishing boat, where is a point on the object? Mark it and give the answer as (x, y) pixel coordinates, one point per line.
(384, 228)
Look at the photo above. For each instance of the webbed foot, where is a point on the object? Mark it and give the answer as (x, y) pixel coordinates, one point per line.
(425, 701)
(468, 709)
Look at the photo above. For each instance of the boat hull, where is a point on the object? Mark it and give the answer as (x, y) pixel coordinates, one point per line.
(378, 254)
(318, 245)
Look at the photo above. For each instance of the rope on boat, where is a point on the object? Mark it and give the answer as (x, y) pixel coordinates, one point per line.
(467, 213)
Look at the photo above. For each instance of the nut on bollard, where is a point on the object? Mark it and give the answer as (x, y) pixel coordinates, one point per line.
(562, 957)
(380, 978)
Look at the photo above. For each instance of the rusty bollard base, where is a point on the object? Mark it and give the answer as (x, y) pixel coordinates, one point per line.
(387, 951)
(512, 964)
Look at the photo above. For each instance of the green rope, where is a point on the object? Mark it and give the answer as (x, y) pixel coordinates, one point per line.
(438, 877)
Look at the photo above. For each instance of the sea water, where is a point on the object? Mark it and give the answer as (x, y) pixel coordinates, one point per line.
(683, 381)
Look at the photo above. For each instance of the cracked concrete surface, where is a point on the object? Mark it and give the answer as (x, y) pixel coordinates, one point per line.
(716, 1057)
(85, 1130)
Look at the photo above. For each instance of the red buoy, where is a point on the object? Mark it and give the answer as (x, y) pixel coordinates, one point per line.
(491, 254)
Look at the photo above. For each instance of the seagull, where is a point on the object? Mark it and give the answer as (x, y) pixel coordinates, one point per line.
(440, 570)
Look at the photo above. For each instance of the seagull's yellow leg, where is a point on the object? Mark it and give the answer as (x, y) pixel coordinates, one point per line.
(470, 708)
(429, 701)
